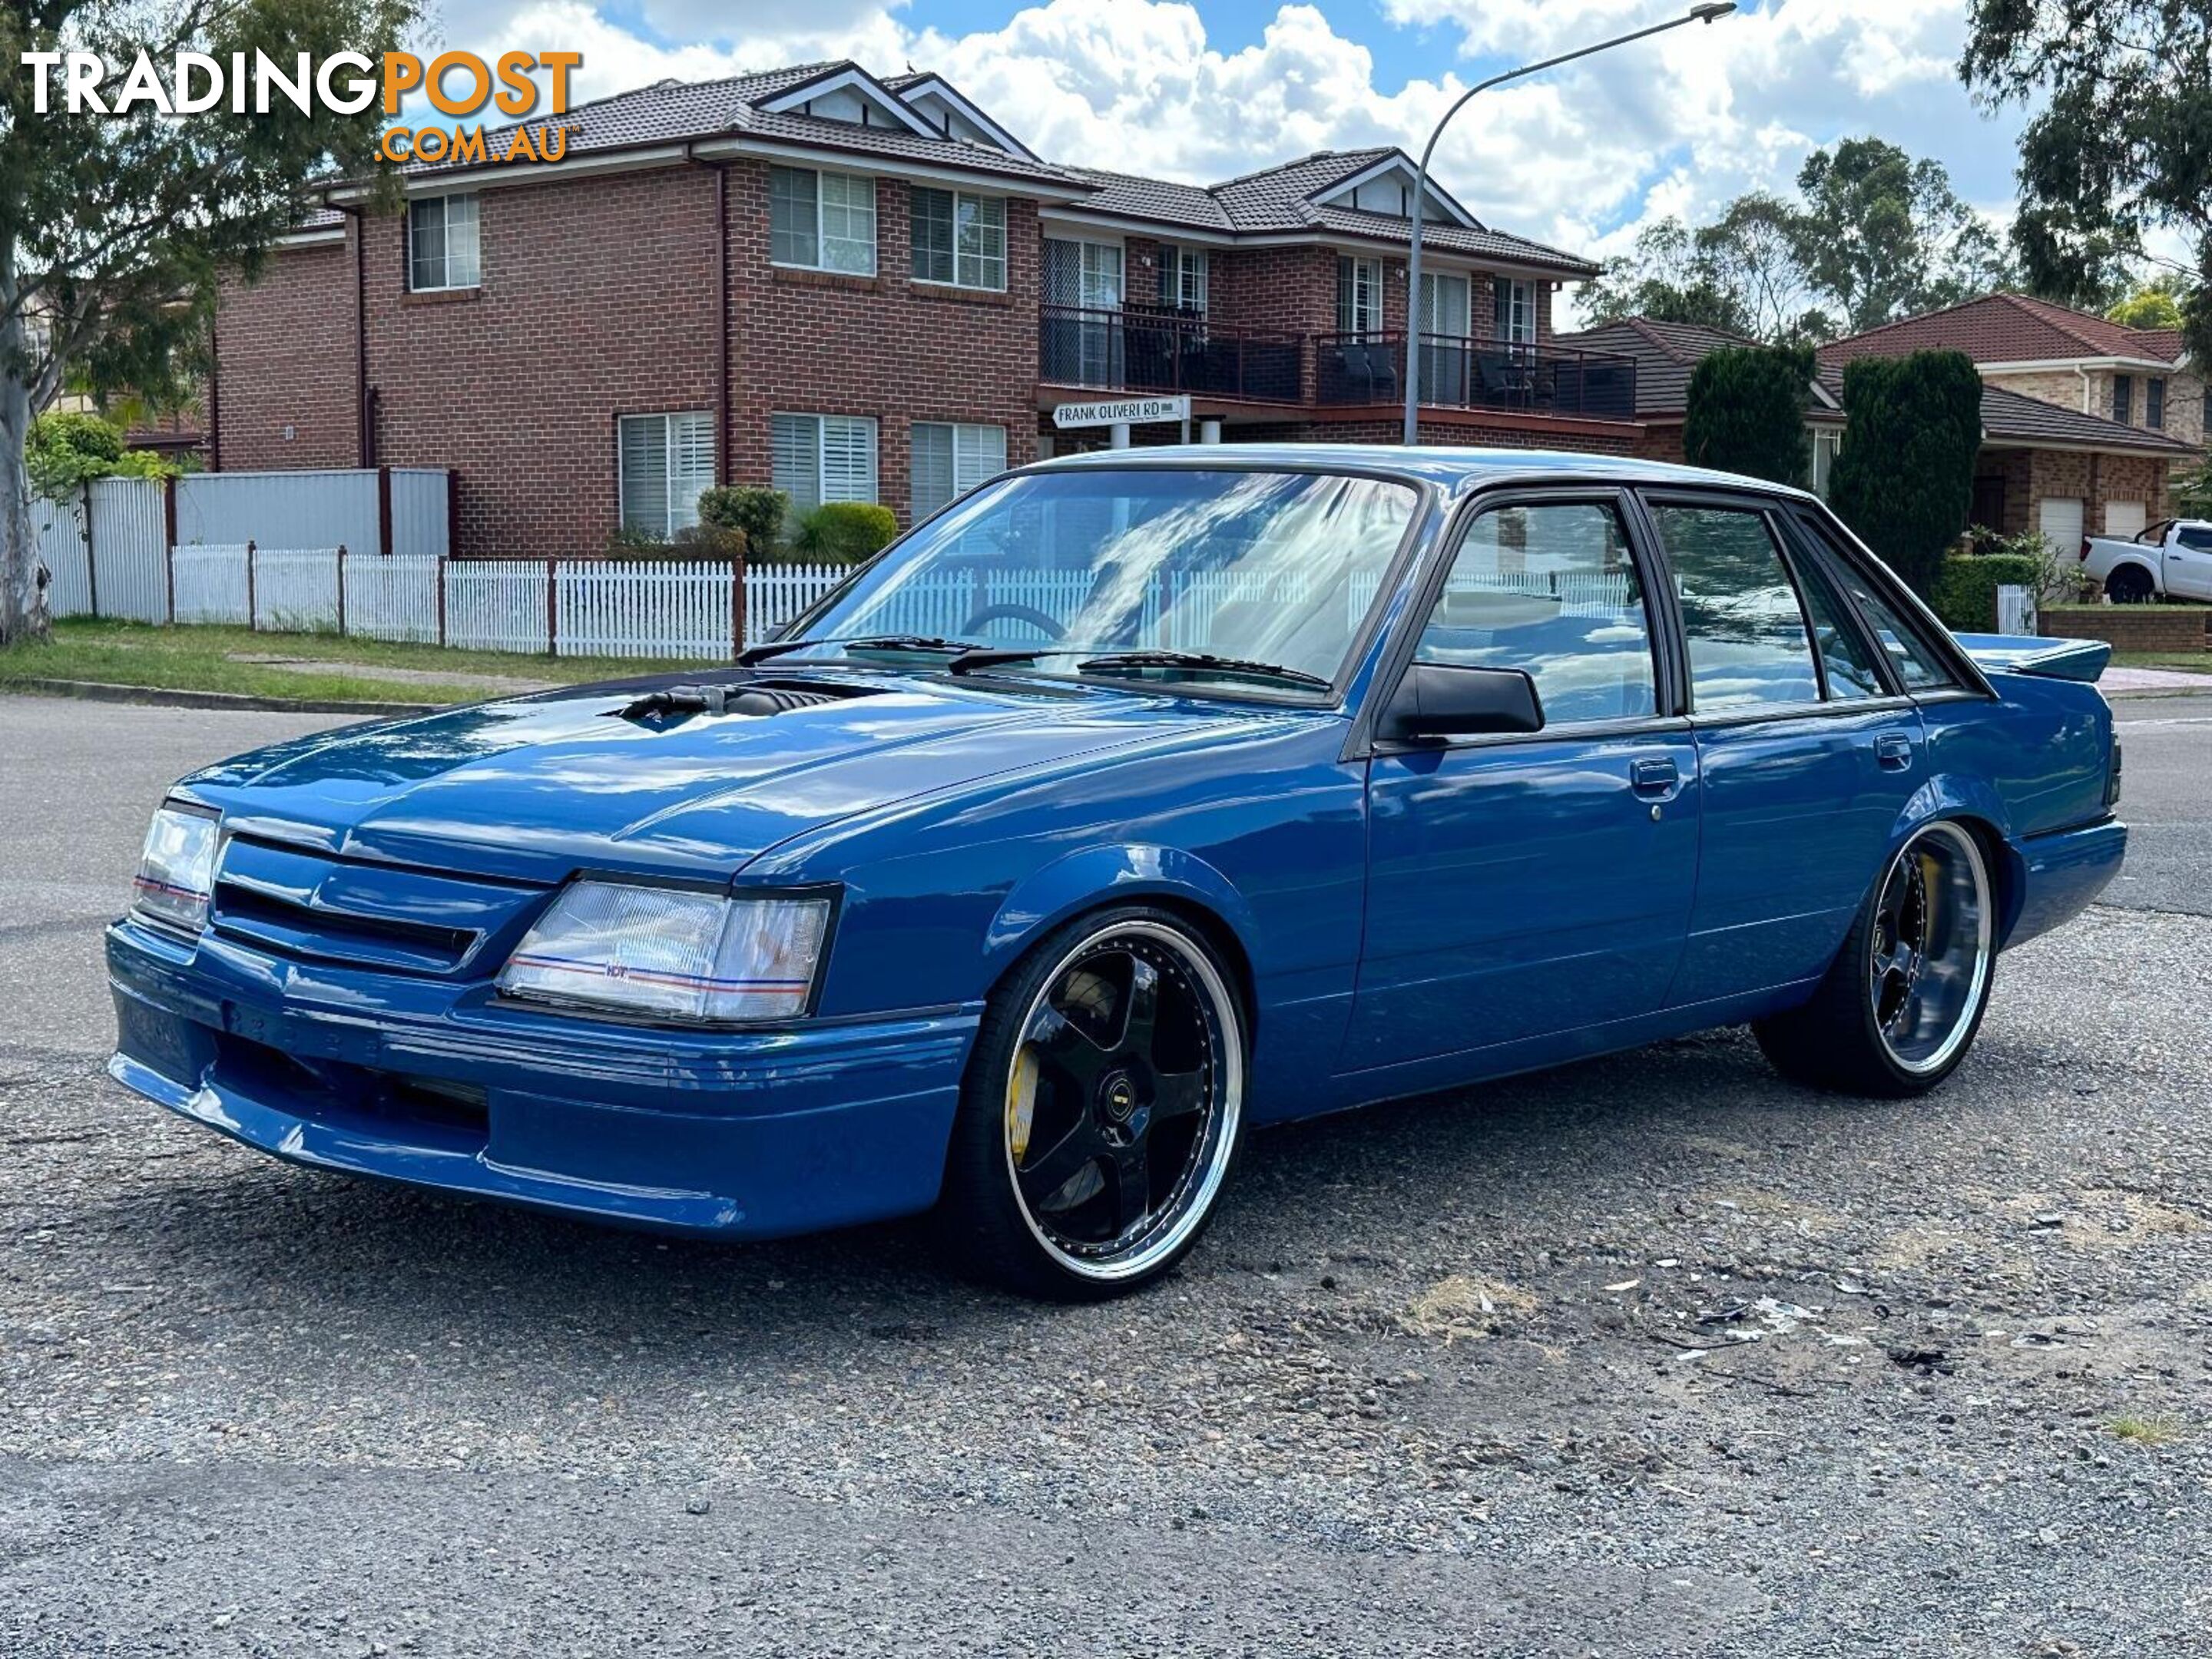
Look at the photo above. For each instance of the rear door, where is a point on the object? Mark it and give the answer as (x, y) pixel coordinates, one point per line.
(1808, 751)
(1522, 885)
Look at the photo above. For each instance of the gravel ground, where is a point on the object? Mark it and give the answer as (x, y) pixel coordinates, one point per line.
(1652, 1355)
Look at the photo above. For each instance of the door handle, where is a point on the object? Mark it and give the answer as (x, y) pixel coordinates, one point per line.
(1654, 778)
(1893, 750)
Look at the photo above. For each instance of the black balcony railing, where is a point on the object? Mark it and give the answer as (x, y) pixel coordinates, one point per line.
(1168, 352)
(1465, 372)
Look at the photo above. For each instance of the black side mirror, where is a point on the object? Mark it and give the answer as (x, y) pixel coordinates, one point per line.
(1437, 700)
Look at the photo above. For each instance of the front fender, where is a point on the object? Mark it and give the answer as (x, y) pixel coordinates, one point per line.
(1081, 880)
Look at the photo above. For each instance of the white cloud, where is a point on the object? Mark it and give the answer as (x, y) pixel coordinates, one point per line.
(1582, 156)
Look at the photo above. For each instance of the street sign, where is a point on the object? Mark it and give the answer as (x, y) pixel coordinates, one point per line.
(1130, 411)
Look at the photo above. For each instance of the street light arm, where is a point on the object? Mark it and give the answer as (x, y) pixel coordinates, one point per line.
(1704, 13)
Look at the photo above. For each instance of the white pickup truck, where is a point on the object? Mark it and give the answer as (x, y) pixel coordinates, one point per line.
(2171, 560)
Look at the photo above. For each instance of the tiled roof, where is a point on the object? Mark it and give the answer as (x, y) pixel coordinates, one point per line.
(1129, 197)
(1666, 353)
(2005, 328)
(2164, 343)
(1276, 200)
(2008, 415)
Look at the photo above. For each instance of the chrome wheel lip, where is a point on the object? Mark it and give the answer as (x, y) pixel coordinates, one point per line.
(1198, 1202)
(1961, 844)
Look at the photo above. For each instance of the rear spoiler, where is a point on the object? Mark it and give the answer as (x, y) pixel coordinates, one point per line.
(2052, 660)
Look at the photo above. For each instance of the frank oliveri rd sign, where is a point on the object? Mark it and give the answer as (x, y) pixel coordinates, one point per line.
(1134, 411)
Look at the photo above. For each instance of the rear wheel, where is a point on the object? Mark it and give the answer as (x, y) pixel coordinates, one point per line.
(2130, 585)
(1100, 1108)
(1900, 1006)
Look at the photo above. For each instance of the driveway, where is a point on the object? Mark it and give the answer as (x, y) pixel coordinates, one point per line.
(1651, 1355)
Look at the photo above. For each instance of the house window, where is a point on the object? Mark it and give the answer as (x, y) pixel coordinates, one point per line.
(2123, 387)
(1359, 295)
(1182, 279)
(1827, 444)
(666, 462)
(441, 243)
(822, 221)
(823, 457)
(2154, 401)
(1514, 311)
(950, 460)
(959, 240)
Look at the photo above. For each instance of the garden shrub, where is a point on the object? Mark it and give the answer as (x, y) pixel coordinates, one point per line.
(755, 510)
(845, 532)
(1966, 595)
(1747, 412)
(1905, 478)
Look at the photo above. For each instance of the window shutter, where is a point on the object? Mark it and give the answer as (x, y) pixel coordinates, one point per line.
(979, 453)
(795, 459)
(848, 458)
(932, 467)
(691, 466)
(645, 474)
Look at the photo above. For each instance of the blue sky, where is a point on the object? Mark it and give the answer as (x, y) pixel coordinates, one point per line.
(1202, 89)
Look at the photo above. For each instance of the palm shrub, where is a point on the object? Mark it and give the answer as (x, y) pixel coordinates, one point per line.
(845, 532)
(1905, 480)
(1747, 412)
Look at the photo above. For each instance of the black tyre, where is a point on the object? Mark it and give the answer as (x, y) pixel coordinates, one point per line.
(2130, 585)
(1100, 1108)
(1900, 1006)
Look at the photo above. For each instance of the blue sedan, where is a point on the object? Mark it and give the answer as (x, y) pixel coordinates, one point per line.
(1134, 800)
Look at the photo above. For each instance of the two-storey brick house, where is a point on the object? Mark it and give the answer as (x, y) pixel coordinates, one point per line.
(863, 289)
(2100, 415)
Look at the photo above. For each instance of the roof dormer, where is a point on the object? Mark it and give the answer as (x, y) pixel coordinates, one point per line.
(848, 93)
(951, 116)
(1387, 187)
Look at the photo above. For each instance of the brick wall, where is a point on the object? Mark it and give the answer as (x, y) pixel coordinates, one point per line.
(807, 343)
(2130, 627)
(285, 362)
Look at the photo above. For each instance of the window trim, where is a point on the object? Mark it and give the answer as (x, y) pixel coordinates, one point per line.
(1006, 241)
(667, 418)
(1830, 538)
(1505, 290)
(2123, 399)
(1176, 257)
(2154, 402)
(875, 222)
(1347, 326)
(443, 197)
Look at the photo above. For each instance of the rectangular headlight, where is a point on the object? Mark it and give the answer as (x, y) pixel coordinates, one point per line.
(672, 954)
(176, 872)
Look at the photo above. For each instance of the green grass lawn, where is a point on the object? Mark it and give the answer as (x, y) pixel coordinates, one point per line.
(204, 659)
(2195, 662)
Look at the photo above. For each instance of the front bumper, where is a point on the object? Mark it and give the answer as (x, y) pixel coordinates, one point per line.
(734, 1135)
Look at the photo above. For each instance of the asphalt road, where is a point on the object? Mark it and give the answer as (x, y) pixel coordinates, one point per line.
(1428, 1386)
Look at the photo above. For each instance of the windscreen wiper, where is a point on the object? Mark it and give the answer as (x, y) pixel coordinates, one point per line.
(1205, 662)
(753, 654)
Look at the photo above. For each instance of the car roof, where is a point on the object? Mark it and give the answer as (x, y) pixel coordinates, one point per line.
(1451, 469)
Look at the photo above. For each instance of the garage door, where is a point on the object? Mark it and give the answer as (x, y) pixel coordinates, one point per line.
(2125, 519)
(2059, 518)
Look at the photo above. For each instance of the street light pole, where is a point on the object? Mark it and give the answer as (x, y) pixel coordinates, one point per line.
(1697, 14)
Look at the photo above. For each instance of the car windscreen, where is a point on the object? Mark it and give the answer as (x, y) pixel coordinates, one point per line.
(1276, 567)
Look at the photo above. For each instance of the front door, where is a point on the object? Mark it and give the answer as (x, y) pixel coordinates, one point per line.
(1083, 326)
(2188, 562)
(1521, 886)
(1806, 756)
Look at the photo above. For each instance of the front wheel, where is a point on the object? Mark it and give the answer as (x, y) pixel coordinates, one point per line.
(1100, 1108)
(1900, 1006)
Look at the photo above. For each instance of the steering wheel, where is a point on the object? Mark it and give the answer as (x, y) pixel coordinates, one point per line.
(1022, 613)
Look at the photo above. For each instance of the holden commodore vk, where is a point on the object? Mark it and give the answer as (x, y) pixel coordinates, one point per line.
(1132, 802)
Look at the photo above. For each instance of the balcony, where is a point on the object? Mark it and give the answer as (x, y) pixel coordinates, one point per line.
(1467, 372)
(1168, 351)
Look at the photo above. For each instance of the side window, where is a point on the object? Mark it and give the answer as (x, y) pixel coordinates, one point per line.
(1845, 660)
(1549, 589)
(1740, 618)
(1916, 665)
(2200, 540)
